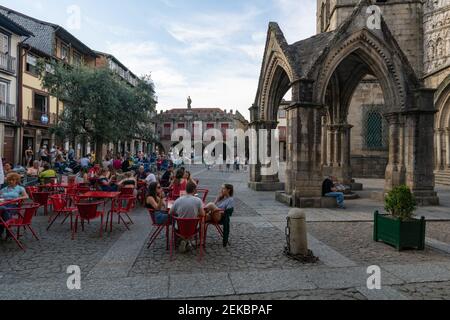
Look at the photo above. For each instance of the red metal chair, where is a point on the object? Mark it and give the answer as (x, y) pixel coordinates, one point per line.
(203, 194)
(84, 185)
(122, 206)
(25, 215)
(87, 212)
(187, 229)
(31, 190)
(168, 192)
(82, 190)
(222, 227)
(158, 228)
(142, 192)
(42, 198)
(126, 191)
(61, 206)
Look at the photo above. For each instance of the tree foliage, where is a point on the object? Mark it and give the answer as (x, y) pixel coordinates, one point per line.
(98, 104)
(401, 203)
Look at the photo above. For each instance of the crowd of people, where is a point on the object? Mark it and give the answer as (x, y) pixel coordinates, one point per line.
(187, 204)
(115, 173)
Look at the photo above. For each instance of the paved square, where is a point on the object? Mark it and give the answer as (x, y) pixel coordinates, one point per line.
(119, 265)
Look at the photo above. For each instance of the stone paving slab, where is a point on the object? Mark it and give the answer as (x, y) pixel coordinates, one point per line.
(438, 245)
(121, 256)
(341, 278)
(423, 272)
(327, 255)
(200, 285)
(270, 281)
(99, 289)
(386, 293)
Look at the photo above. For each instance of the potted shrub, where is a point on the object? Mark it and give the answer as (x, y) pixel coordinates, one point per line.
(399, 228)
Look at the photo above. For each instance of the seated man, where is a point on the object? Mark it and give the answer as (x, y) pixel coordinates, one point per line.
(188, 207)
(329, 190)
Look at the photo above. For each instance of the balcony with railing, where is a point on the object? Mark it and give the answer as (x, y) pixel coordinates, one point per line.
(37, 117)
(7, 63)
(8, 112)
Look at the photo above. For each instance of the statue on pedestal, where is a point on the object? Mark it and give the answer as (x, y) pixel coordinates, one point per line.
(189, 102)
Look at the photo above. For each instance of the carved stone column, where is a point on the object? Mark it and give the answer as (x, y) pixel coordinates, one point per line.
(395, 170)
(439, 139)
(419, 138)
(255, 165)
(447, 148)
(264, 177)
(346, 166)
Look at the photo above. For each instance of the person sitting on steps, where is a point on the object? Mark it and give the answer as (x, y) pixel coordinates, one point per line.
(330, 191)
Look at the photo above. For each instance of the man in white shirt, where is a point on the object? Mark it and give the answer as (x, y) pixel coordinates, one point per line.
(85, 162)
(150, 178)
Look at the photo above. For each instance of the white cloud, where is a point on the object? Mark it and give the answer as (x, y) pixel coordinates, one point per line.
(298, 20)
(147, 57)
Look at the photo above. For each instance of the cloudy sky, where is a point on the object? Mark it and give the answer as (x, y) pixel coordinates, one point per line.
(208, 49)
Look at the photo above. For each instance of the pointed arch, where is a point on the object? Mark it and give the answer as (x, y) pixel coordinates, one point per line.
(396, 78)
(442, 103)
(277, 79)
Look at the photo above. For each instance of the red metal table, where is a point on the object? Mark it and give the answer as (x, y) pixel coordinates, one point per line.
(102, 195)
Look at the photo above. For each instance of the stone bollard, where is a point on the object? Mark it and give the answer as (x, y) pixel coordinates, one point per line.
(296, 233)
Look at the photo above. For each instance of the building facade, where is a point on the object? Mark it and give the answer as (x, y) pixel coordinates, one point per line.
(190, 119)
(37, 110)
(10, 38)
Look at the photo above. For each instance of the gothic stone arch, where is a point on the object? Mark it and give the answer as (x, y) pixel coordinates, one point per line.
(340, 59)
(442, 133)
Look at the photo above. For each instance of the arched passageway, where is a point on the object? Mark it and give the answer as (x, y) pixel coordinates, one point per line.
(324, 73)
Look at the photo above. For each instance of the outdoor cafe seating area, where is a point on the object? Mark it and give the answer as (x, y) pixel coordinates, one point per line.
(76, 205)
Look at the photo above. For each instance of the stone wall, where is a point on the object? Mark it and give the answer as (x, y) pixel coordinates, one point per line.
(365, 167)
(366, 163)
(404, 18)
(436, 41)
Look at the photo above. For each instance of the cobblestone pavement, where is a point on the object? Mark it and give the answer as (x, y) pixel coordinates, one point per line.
(426, 291)
(49, 258)
(119, 265)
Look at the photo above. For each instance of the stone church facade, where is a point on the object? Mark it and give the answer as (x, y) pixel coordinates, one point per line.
(366, 102)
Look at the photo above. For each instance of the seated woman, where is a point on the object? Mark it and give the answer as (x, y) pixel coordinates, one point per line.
(106, 184)
(35, 170)
(60, 164)
(155, 201)
(225, 201)
(188, 177)
(178, 185)
(82, 176)
(129, 181)
(12, 192)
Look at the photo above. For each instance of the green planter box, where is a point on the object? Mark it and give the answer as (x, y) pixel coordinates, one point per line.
(400, 234)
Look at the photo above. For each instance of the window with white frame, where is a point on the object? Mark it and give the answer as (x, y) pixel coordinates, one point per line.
(4, 92)
(31, 65)
(64, 52)
(4, 43)
(77, 59)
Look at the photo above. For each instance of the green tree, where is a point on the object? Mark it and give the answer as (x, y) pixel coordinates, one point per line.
(98, 104)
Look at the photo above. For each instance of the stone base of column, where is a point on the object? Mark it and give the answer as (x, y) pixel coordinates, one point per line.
(423, 198)
(427, 198)
(357, 186)
(266, 186)
(317, 203)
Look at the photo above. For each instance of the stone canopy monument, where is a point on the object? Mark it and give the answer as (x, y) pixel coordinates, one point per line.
(325, 73)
